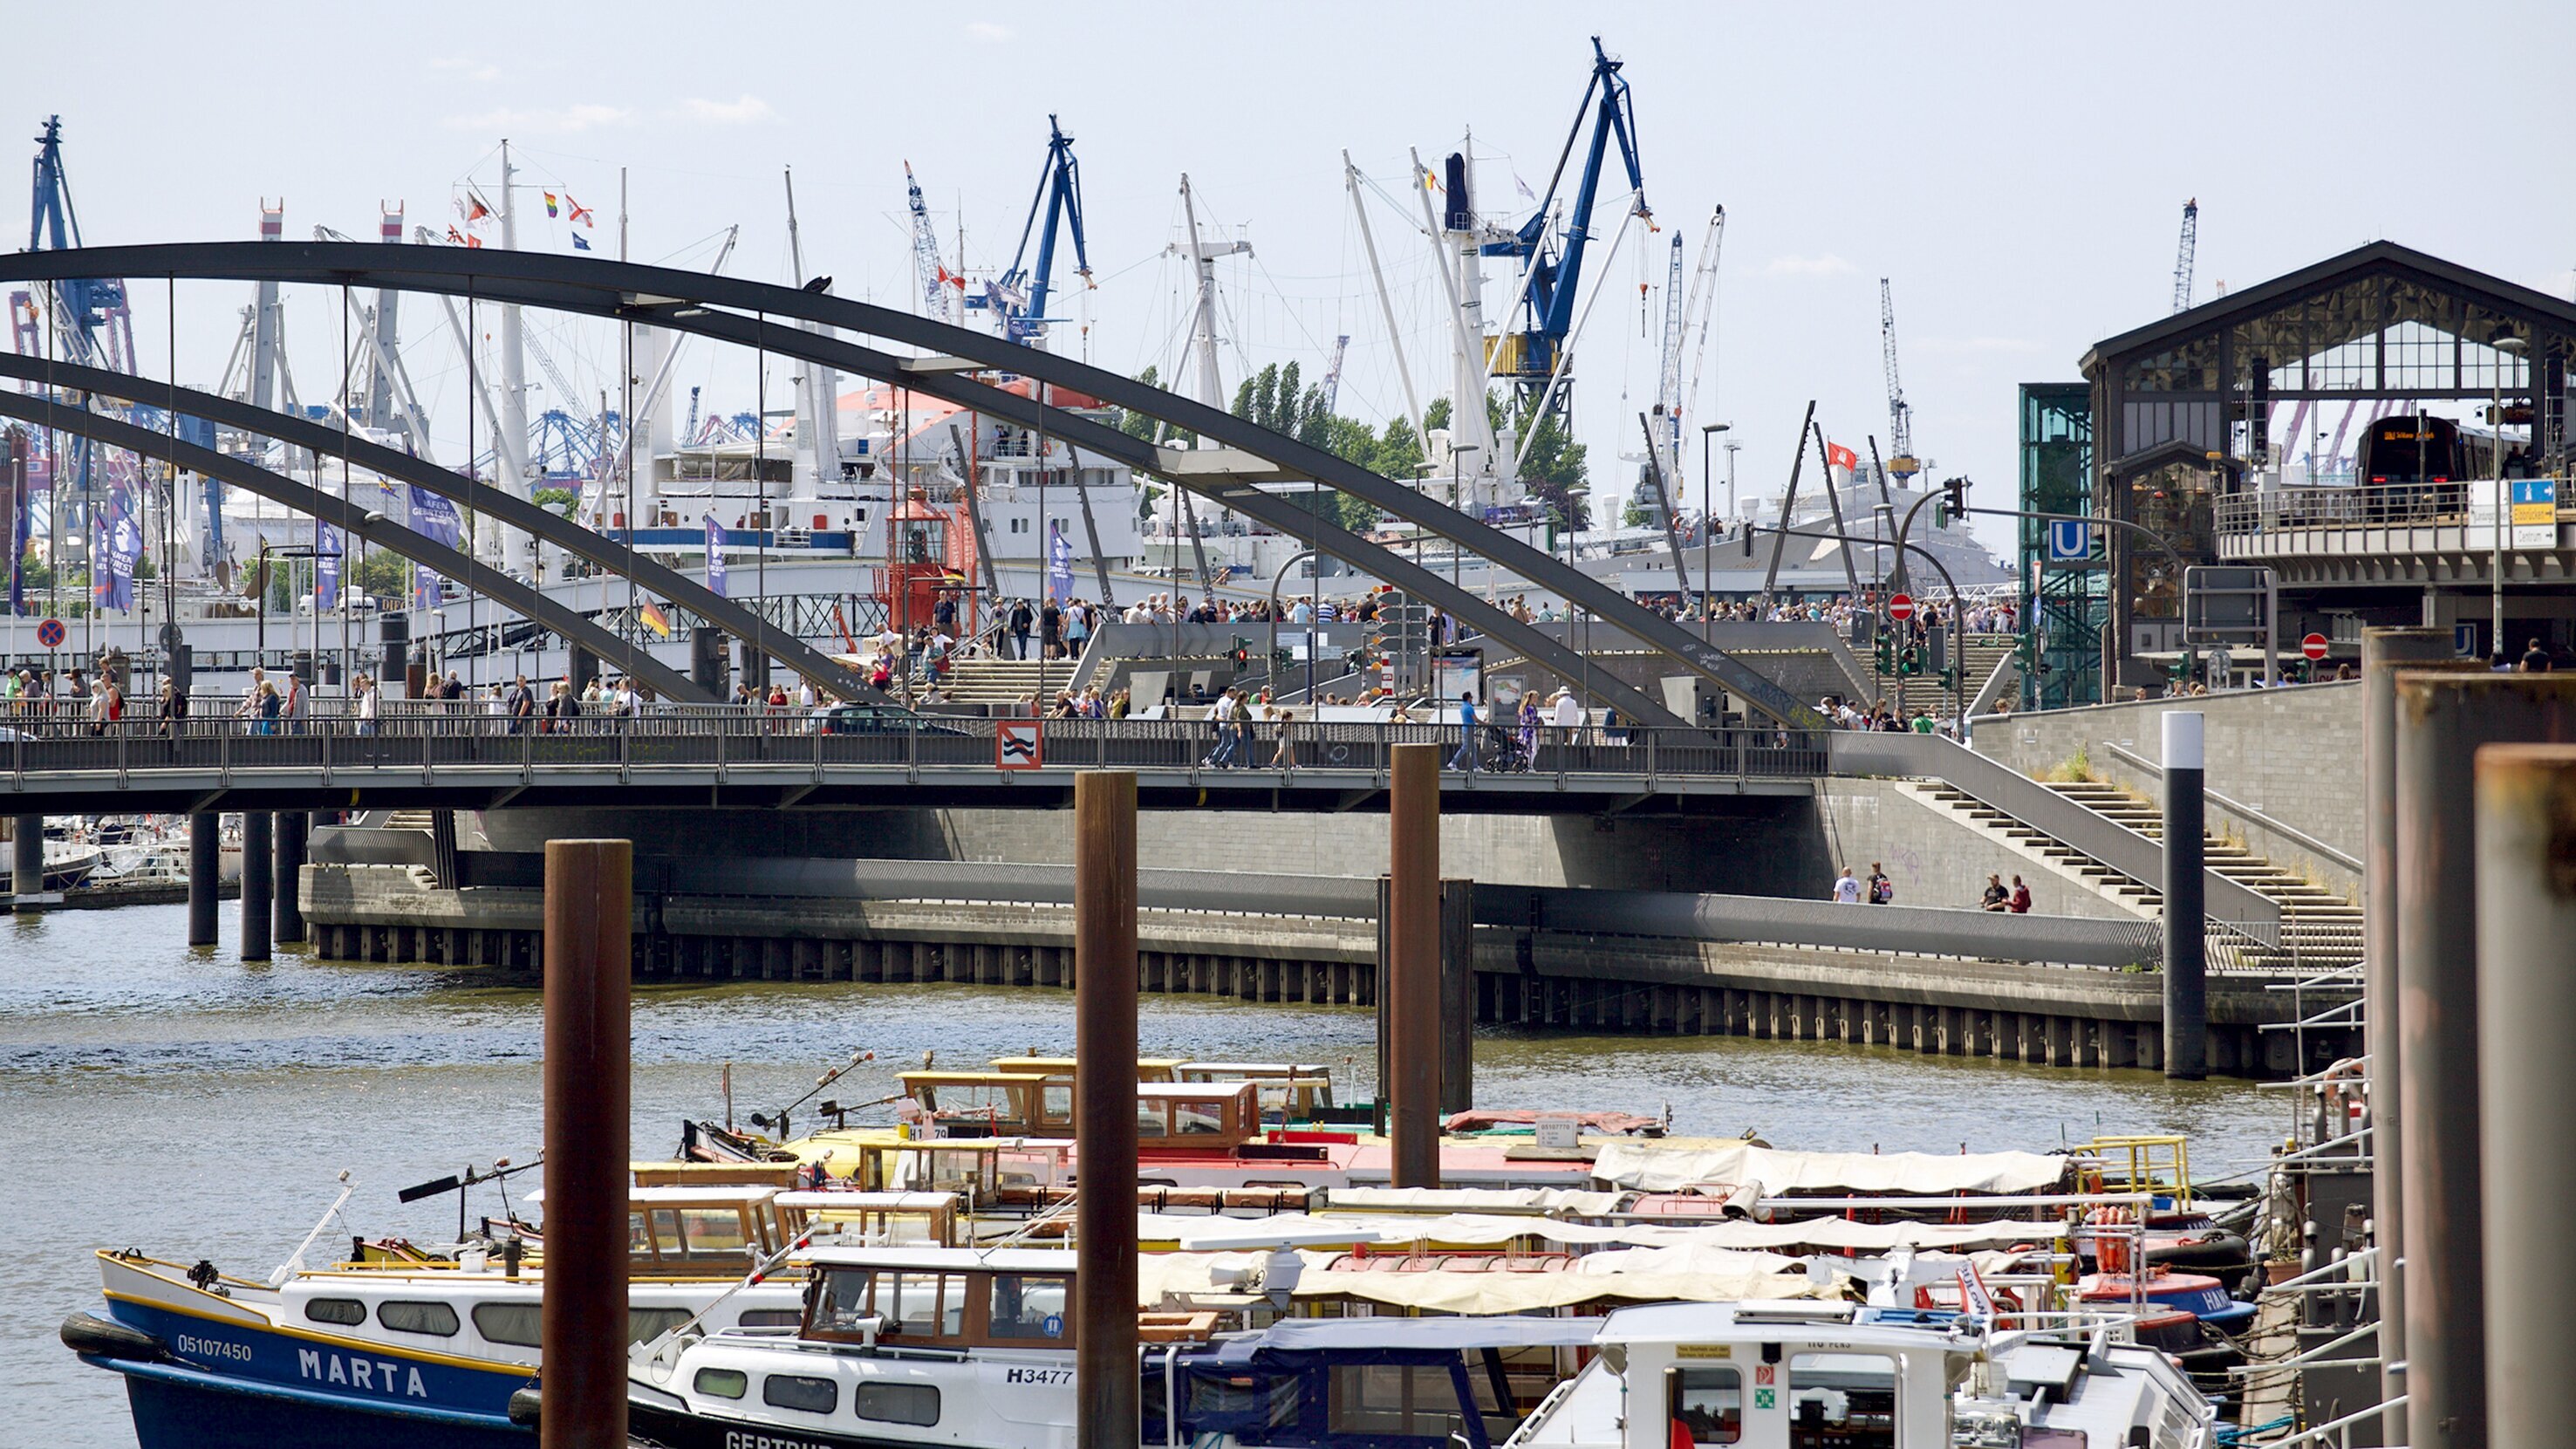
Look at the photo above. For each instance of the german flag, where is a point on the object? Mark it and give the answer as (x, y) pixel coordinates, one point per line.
(654, 619)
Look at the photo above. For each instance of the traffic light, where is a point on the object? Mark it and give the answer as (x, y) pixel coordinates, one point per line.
(1886, 650)
(1953, 504)
(1242, 654)
(1910, 661)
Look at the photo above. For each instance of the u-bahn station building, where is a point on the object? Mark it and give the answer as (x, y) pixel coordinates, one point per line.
(2385, 431)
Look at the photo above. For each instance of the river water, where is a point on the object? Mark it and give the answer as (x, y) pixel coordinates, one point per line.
(181, 1102)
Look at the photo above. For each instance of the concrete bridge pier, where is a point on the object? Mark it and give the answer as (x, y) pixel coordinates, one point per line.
(205, 874)
(292, 828)
(27, 864)
(256, 885)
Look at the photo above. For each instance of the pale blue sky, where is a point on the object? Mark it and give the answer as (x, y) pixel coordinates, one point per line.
(2018, 170)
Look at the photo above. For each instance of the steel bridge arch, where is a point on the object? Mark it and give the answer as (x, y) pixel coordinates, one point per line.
(749, 313)
(518, 513)
(372, 526)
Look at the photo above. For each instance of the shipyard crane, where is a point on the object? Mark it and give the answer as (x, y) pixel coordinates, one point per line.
(1902, 464)
(933, 277)
(2186, 253)
(1553, 266)
(1332, 384)
(1019, 295)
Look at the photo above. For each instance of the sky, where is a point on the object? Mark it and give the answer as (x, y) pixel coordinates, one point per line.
(2017, 171)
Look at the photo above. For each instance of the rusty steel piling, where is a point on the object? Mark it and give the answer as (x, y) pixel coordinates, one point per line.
(1104, 1004)
(588, 1087)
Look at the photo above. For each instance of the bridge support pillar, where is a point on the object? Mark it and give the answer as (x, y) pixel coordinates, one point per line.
(27, 863)
(1457, 995)
(291, 828)
(205, 874)
(257, 884)
(707, 661)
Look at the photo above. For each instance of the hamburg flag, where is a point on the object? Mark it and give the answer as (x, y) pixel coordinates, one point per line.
(1838, 456)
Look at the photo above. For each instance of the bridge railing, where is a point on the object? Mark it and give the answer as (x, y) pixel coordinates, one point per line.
(427, 735)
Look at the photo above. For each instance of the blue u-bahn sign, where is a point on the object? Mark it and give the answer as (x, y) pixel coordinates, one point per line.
(2070, 540)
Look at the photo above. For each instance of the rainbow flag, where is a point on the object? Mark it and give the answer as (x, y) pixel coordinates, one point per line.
(654, 619)
(550, 203)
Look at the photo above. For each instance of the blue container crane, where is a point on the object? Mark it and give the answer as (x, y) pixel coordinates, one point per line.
(1555, 268)
(1018, 296)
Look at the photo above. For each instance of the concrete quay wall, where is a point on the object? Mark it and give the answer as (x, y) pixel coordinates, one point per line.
(1548, 981)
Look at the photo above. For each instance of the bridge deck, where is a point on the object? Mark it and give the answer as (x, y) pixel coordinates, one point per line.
(728, 758)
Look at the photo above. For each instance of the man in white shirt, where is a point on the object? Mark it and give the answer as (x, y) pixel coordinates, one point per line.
(1847, 888)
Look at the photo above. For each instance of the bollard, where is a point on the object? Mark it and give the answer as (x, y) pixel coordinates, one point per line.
(2526, 852)
(1412, 1002)
(2383, 653)
(205, 875)
(27, 860)
(2186, 901)
(1104, 1090)
(256, 885)
(292, 826)
(2441, 721)
(588, 1070)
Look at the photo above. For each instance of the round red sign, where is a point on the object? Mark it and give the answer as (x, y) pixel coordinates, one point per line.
(50, 633)
(2313, 646)
(1900, 607)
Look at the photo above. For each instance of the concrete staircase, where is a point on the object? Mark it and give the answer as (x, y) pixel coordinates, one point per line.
(1978, 652)
(1005, 681)
(2319, 928)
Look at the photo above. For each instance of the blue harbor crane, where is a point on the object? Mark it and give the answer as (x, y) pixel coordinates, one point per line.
(1019, 296)
(1555, 265)
(90, 322)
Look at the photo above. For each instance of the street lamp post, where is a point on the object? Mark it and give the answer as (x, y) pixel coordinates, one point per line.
(1456, 478)
(2510, 347)
(1708, 522)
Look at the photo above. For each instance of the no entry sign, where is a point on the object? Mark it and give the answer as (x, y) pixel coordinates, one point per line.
(1900, 607)
(2313, 646)
(50, 633)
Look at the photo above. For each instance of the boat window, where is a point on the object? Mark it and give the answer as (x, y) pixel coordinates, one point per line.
(1706, 1405)
(336, 1310)
(922, 1304)
(1407, 1399)
(1193, 1119)
(699, 1232)
(770, 1318)
(1027, 1307)
(418, 1316)
(722, 1383)
(796, 1391)
(1151, 1120)
(645, 1324)
(1842, 1400)
(639, 1243)
(511, 1323)
(843, 1306)
(897, 1403)
(1055, 1104)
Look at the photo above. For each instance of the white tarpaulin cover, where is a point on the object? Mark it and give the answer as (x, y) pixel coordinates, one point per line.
(1649, 1167)
(1570, 1202)
(1486, 1230)
(1177, 1278)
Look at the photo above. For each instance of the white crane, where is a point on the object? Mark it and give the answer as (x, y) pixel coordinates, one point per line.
(1333, 375)
(1703, 305)
(1668, 385)
(925, 254)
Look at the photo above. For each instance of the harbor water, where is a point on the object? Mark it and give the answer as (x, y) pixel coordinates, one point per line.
(180, 1102)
